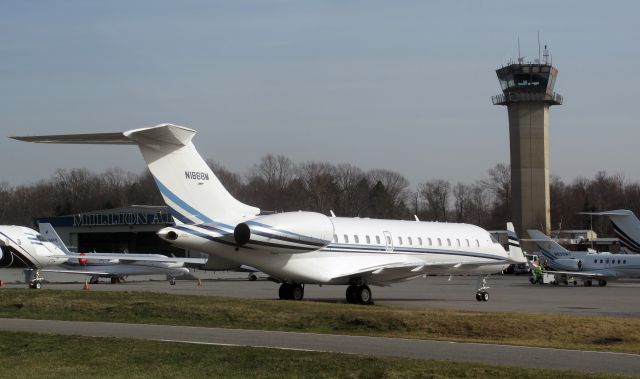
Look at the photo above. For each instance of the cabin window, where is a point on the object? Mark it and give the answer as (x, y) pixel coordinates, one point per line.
(400, 240)
(478, 243)
(378, 240)
(468, 243)
(595, 261)
(624, 262)
(439, 242)
(420, 241)
(346, 238)
(388, 240)
(600, 260)
(368, 240)
(356, 239)
(458, 241)
(335, 238)
(607, 261)
(410, 242)
(448, 242)
(430, 242)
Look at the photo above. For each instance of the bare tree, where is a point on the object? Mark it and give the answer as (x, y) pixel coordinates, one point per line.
(436, 194)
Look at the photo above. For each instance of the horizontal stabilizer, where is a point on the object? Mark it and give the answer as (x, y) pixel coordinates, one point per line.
(94, 138)
(620, 212)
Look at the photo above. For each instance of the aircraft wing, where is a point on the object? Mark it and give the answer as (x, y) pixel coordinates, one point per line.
(130, 258)
(401, 271)
(83, 272)
(581, 274)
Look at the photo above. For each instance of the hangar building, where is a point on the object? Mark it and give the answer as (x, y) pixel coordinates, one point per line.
(131, 229)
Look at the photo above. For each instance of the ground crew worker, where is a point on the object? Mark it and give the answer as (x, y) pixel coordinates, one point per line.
(537, 274)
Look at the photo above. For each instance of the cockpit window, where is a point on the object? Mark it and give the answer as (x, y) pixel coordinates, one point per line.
(493, 239)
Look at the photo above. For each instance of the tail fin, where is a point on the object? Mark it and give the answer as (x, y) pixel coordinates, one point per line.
(626, 225)
(548, 247)
(52, 236)
(187, 184)
(515, 251)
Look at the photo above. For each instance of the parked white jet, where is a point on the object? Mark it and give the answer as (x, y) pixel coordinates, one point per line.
(19, 244)
(116, 269)
(626, 226)
(583, 265)
(298, 248)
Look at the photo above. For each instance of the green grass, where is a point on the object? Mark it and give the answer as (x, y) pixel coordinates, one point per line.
(27, 355)
(575, 332)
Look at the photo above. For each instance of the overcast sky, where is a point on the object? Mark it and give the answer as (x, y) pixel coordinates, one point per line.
(402, 85)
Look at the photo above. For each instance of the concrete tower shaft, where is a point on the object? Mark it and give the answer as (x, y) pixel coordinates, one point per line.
(528, 94)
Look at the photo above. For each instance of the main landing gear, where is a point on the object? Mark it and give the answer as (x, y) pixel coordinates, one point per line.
(36, 282)
(291, 291)
(482, 293)
(359, 294)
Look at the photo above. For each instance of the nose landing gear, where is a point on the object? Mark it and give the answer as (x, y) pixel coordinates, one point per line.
(482, 294)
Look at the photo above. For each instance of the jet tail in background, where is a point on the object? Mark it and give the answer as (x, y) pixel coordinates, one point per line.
(515, 251)
(548, 247)
(626, 225)
(50, 234)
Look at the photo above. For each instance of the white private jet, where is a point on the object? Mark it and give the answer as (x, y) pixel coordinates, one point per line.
(298, 248)
(626, 226)
(587, 266)
(46, 253)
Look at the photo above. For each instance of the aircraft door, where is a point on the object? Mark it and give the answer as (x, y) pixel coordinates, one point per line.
(388, 241)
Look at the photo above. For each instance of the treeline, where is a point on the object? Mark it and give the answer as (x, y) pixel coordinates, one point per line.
(278, 184)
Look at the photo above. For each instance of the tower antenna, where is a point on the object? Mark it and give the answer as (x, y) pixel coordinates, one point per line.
(520, 60)
(538, 46)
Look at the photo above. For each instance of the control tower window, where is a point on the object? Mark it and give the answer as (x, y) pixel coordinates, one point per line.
(507, 82)
(530, 80)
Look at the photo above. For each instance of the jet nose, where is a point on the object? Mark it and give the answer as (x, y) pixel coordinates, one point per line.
(168, 234)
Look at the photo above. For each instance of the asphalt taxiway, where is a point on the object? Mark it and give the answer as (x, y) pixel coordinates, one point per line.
(560, 359)
(508, 293)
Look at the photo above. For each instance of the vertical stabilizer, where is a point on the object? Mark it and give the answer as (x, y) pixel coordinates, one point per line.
(548, 247)
(515, 251)
(188, 185)
(627, 227)
(50, 234)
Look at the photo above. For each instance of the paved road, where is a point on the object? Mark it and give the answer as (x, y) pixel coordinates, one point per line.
(508, 293)
(586, 361)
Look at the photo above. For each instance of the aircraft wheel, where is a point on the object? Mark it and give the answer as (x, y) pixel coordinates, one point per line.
(602, 283)
(587, 283)
(351, 295)
(297, 292)
(363, 295)
(286, 291)
(252, 278)
(485, 296)
(172, 282)
(478, 296)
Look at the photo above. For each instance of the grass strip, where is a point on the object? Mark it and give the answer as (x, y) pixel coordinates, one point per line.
(29, 355)
(543, 330)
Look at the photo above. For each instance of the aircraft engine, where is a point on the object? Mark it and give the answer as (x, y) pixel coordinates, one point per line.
(570, 263)
(9, 259)
(286, 233)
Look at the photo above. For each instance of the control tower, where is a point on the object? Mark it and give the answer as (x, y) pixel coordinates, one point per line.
(527, 91)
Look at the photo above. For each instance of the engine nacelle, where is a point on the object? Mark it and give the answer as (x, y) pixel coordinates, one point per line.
(286, 233)
(570, 263)
(9, 259)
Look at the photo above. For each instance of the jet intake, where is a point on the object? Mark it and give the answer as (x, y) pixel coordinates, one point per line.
(285, 233)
